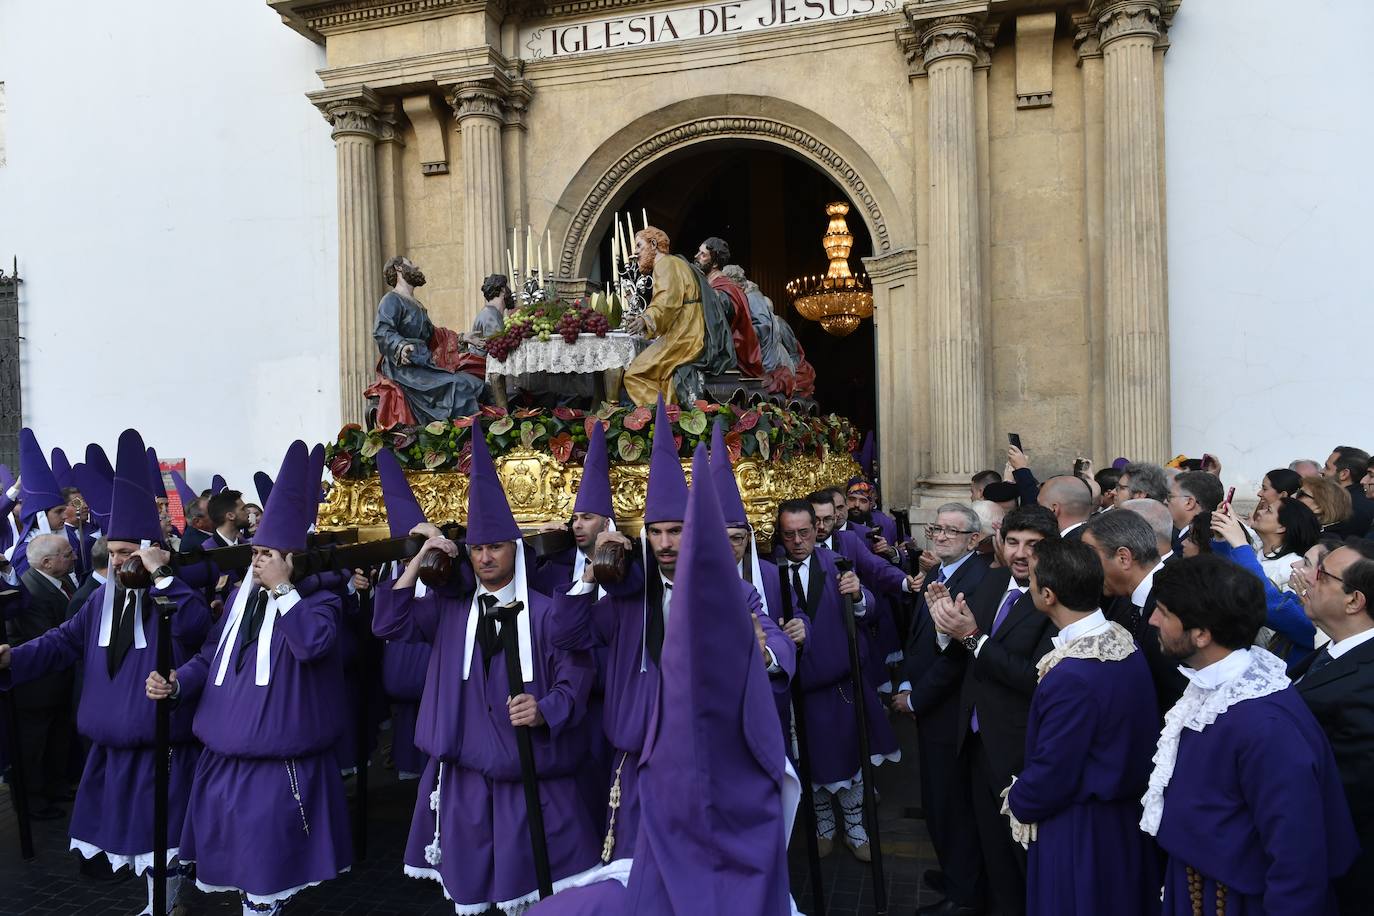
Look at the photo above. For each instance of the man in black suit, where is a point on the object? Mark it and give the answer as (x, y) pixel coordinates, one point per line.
(1071, 500)
(229, 519)
(1191, 493)
(930, 693)
(1003, 636)
(1127, 546)
(1346, 465)
(1337, 683)
(198, 526)
(44, 705)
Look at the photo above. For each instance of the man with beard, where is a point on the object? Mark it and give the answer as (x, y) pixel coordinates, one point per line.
(592, 514)
(712, 256)
(228, 518)
(861, 504)
(689, 342)
(403, 332)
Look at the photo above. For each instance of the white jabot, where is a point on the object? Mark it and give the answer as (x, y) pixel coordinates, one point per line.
(228, 637)
(107, 610)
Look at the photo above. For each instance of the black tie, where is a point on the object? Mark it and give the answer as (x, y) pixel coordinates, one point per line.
(1321, 661)
(67, 588)
(257, 610)
(654, 627)
(797, 585)
(123, 633)
(486, 631)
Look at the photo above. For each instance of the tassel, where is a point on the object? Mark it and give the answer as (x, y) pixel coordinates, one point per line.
(433, 854)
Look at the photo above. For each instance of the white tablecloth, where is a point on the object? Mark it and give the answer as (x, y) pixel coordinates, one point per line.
(589, 354)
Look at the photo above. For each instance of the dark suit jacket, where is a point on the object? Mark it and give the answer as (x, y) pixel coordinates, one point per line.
(83, 593)
(1341, 697)
(1169, 681)
(935, 676)
(194, 537)
(46, 608)
(1000, 680)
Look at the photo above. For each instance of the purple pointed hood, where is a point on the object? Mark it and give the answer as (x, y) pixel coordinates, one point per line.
(867, 452)
(38, 488)
(489, 517)
(316, 474)
(183, 489)
(594, 492)
(263, 484)
(711, 778)
(95, 489)
(290, 512)
(723, 476)
(666, 499)
(159, 486)
(98, 461)
(217, 483)
(62, 468)
(403, 510)
(133, 503)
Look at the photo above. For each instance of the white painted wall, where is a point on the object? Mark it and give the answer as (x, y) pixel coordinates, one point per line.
(170, 194)
(1270, 195)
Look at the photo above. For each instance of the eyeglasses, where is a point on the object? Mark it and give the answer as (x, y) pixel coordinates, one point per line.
(940, 531)
(1321, 571)
(799, 535)
(1303, 494)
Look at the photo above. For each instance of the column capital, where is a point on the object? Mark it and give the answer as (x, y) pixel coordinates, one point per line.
(496, 90)
(475, 99)
(353, 111)
(965, 32)
(1112, 20)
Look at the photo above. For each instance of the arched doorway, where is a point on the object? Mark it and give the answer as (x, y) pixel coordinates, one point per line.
(769, 205)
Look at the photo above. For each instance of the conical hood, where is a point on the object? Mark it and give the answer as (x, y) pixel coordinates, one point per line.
(867, 452)
(99, 462)
(263, 484)
(62, 469)
(133, 504)
(316, 474)
(38, 488)
(184, 490)
(403, 510)
(291, 510)
(723, 476)
(666, 499)
(594, 492)
(159, 486)
(95, 489)
(711, 778)
(489, 517)
(217, 483)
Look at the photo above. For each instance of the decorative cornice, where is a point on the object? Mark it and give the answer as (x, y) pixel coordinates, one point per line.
(703, 128)
(316, 19)
(927, 38)
(1085, 37)
(474, 100)
(353, 112)
(1113, 20)
(951, 37)
(895, 265)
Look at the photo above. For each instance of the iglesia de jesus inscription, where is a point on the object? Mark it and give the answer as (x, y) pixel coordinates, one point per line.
(696, 21)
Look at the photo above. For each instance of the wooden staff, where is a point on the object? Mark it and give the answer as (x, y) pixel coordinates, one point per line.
(162, 754)
(813, 844)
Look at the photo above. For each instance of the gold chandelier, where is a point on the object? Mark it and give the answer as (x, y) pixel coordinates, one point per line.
(839, 300)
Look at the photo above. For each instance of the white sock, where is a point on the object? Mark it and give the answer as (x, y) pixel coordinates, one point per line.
(852, 805)
(173, 888)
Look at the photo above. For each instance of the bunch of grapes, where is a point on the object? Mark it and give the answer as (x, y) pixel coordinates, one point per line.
(503, 344)
(594, 322)
(569, 325)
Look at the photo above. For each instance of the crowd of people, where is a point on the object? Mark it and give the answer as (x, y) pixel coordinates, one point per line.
(1127, 698)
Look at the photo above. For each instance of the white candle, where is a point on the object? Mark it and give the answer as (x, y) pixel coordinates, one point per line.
(510, 265)
(511, 254)
(529, 251)
(645, 214)
(548, 250)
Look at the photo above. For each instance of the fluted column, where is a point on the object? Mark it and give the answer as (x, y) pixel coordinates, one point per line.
(954, 267)
(479, 111)
(357, 128)
(1136, 332)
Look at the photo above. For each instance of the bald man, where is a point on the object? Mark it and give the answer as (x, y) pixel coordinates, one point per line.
(1161, 522)
(1071, 500)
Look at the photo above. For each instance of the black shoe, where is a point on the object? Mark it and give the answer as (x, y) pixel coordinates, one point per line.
(946, 908)
(48, 813)
(934, 879)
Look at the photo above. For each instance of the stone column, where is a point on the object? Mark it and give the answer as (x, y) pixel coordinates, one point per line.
(357, 128)
(954, 268)
(479, 110)
(1136, 332)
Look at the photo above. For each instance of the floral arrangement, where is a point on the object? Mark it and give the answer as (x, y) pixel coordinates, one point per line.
(765, 431)
(544, 319)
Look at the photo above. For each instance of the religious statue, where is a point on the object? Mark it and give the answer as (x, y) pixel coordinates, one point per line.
(784, 363)
(491, 319)
(689, 342)
(712, 256)
(432, 368)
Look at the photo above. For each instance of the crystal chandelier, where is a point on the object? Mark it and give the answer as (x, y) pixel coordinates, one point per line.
(839, 300)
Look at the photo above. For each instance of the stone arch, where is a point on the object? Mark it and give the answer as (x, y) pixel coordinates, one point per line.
(609, 174)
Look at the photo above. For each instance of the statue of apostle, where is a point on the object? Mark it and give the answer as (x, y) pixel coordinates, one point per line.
(689, 342)
(712, 257)
(424, 361)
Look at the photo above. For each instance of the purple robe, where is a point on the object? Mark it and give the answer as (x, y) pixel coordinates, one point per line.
(1256, 803)
(403, 679)
(245, 828)
(886, 581)
(1089, 742)
(831, 723)
(464, 726)
(118, 719)
(616, 622)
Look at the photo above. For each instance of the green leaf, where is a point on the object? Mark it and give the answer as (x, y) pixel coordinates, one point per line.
(693, 422)
(501, 426)
(629, 449)
(764, 447)
(437, 428)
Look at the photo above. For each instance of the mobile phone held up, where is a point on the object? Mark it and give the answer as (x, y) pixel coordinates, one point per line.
(1079, 466)
(1230, 495)
(1015, 440)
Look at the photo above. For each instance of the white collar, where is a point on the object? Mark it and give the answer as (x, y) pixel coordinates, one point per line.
(1142, 591)
(1013, 584)
(99, 576)
(220, 535)
(1218, 673)
(56, 582)
(953, 568)
(1071, 527)
(1337, 649)
(1091, 625)
(665, 581)
(517, 589)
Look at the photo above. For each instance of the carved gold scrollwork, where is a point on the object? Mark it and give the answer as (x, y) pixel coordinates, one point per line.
(540, 489)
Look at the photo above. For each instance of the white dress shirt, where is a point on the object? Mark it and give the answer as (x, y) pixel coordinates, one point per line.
(1337, 649)
(1094, 623)
(1218, 673)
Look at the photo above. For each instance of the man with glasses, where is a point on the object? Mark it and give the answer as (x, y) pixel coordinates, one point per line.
(1191, 494)
(930, 694)
(1337, 684)
(1140, 480)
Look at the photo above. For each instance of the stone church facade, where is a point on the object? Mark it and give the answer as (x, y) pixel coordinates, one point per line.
(1006, 158)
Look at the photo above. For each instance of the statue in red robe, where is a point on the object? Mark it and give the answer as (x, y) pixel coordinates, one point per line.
(713, 255)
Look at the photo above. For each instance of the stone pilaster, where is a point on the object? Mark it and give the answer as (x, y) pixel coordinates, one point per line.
(479, 108)
(954, 267)
(1136, 320)
(354, 115)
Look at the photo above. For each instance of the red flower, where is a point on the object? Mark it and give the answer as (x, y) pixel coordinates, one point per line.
(677, 444)
(464, 422)
(561, 445)
(491, 410)
(403, 438)
(592, 421)
(674, 412)
(638, 418)
(734, 444)
(340, 464)
(525, 413)
(566, 413)
(465, 458)
(747, 421)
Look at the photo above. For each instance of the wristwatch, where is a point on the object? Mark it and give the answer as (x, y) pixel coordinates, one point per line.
(971, 641)
(281, 591)
(162, 572)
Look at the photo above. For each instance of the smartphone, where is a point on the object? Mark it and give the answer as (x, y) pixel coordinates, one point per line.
(1207, 461)
(1078, 466)
(1230, 495)
(1015, 439)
